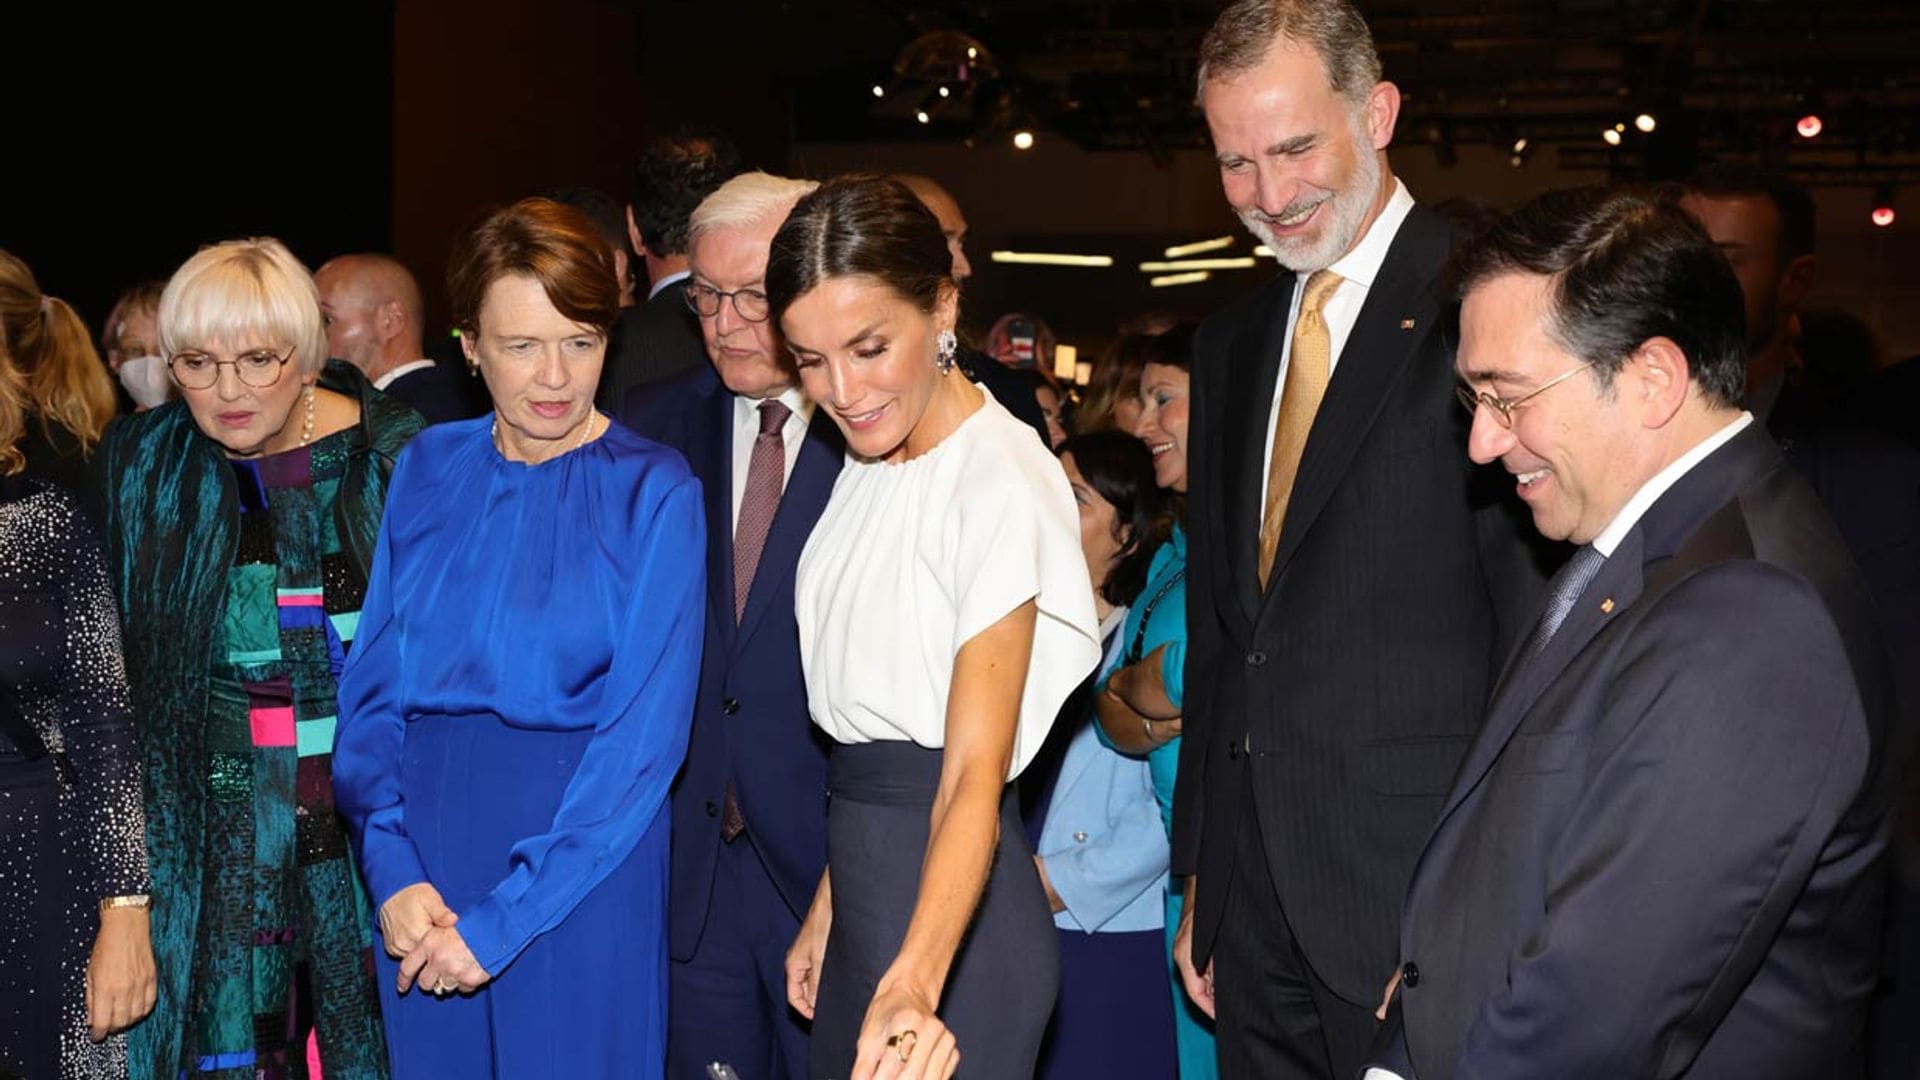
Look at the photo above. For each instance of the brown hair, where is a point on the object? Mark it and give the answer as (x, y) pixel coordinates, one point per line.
(13, 418)
(860, 225)
(1240, 38)
(61, 376)
(555, 245)
(1116, 376)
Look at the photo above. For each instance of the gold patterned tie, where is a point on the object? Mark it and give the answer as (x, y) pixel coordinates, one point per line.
(1309, 362)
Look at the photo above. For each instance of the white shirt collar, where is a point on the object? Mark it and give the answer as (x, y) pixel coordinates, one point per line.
(1362, 264)
(1650, 492)
(678, 275)
(746, 410)
(409, 368)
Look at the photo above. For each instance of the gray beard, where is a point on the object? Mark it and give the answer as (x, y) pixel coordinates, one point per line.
(1346, 211)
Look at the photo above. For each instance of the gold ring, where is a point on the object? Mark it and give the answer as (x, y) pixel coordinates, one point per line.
(903, 1044)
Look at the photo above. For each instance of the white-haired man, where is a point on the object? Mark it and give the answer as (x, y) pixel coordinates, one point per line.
(749, 808)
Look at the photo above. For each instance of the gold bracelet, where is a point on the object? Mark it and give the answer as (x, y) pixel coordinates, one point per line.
(136, 900)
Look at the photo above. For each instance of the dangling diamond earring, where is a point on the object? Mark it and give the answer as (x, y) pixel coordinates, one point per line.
(946, 346)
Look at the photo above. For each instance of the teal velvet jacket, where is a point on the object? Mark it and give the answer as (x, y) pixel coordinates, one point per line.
(171, 531)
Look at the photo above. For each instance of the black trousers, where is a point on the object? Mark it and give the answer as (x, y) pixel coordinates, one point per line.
(1276, 1019)
(1001, 988)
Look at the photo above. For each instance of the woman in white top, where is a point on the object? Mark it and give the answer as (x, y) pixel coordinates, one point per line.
(945, 614)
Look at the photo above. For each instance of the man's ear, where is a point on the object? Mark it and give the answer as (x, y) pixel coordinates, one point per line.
(1657, 379)
(633, 235)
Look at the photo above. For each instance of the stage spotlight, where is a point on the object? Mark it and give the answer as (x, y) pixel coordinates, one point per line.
(1611, 136)
(1023, 140)
(1645, 123)
(1882, 214)
(1809, 126)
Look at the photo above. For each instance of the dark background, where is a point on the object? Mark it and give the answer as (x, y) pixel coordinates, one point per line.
(138, 132)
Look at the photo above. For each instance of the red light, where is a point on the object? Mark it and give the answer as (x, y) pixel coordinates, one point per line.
(1809, 125)
(1883, 216)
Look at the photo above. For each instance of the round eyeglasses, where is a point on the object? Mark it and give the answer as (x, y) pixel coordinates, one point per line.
(258, 368)
(1471, 399)
(751, 304)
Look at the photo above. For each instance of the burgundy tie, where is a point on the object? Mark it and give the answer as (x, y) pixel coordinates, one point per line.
(765, 477)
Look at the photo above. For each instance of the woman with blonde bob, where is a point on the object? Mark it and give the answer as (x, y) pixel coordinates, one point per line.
(66, 394)
(240, 528)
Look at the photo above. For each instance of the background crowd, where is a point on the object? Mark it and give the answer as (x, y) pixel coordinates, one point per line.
(712, 659)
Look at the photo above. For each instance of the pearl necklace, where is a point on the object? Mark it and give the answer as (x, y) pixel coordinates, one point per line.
(586, 429)
(306, 426)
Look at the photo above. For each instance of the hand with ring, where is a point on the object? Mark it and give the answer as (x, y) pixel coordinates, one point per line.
(902, 1039)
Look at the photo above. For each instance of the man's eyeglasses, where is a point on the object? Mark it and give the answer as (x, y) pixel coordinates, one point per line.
(1472, 399)
(258, 368)
(705, 301)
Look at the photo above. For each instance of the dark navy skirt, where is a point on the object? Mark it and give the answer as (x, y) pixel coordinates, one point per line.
(1001, 988)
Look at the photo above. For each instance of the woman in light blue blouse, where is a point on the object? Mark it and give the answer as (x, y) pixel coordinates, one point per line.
(1100, 844)
(518, 695)
(1140, 705)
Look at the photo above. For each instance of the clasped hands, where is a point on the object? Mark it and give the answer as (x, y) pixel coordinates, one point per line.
(418, 928)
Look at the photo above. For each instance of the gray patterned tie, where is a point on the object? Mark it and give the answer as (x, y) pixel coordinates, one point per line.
(765, 476)
(1563, 591)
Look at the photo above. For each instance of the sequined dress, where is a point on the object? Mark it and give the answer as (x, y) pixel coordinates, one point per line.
(71, 823)
(284, 928)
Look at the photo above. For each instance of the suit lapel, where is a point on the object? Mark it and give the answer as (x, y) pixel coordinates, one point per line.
(1375, 355)
(1249, 403)
(814, 472)
(715, 461)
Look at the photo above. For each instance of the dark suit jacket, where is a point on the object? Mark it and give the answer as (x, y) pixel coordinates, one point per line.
(1664, 852)
(750, 722)
(1360, 676)
(438, 393)
(653, 339)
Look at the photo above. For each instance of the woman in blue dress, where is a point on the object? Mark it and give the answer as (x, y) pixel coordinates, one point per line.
(518, 696)
(1140, 705)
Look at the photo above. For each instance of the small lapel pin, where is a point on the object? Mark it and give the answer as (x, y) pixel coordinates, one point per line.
(1406, 324)
(1606, 606)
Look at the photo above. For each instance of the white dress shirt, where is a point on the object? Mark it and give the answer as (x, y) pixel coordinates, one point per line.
(746, 429)
(388, 379)
(1357, 269)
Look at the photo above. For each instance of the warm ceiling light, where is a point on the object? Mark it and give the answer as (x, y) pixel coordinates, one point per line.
(1243, 262)
(879, 91)
(1611, 136)
(1179, 279)
(922, 116)
(1181, 251)
(944, 92)
(1263, 251)
(1047, 258)
(1809, 126)
(1023, 140)
(1520, 145)
(1882, 214)
(1646, 123)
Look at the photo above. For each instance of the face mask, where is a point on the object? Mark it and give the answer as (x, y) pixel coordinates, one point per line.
(145, 378)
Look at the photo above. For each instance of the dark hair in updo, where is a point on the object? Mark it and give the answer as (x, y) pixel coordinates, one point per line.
(860, 225)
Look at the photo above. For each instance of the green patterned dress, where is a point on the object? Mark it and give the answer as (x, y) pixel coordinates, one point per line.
(283, 936)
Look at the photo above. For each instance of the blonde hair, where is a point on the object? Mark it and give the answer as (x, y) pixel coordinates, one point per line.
(244, 289)
(13, 418)
(56, 372)
(747, 199)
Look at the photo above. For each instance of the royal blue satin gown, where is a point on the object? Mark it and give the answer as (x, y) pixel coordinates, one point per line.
(514, 708)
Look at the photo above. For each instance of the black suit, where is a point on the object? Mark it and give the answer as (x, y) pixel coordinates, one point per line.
(1664, 853)
(655, 338)
(1325, 717)
(438, 393)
